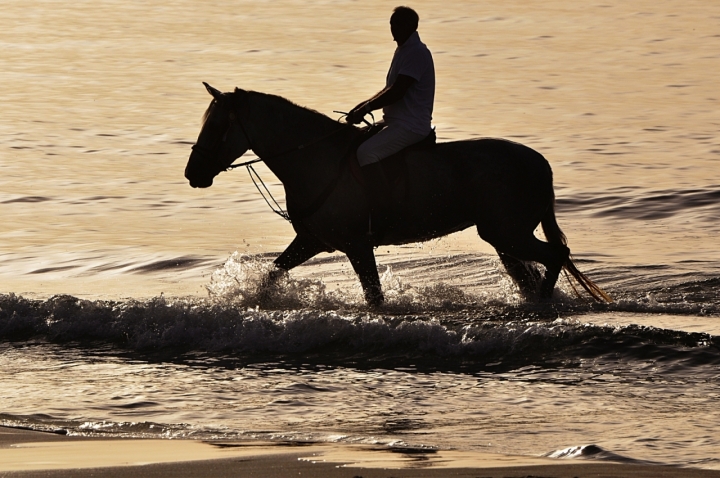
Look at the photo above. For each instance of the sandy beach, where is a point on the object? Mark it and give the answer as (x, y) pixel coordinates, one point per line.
(25, 453)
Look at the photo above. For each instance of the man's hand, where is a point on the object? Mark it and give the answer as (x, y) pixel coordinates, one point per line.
(386, 97)
(357, 114)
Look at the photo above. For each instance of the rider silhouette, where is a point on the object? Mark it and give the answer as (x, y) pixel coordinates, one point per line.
(407, 102)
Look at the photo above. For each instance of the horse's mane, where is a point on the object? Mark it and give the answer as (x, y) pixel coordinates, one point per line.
(281, 101)
(278, 100)
(206, 115)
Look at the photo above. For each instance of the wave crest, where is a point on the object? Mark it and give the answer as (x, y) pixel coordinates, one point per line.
(253, 334)
(596, 453)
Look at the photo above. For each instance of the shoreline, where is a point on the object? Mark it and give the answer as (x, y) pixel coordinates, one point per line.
(27, 453)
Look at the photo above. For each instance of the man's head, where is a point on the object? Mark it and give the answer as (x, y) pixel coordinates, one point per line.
(403, 23)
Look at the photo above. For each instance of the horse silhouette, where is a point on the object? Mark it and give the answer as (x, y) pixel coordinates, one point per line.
(501, 187)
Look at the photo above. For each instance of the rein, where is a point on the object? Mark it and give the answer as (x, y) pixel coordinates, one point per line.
(279, 211)
(253, 174)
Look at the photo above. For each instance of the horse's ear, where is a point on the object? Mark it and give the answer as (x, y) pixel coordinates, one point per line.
(215, 93)
(241, 97)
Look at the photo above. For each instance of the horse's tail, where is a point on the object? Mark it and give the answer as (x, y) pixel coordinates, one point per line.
(554, 235)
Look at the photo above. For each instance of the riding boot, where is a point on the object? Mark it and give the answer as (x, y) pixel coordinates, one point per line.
(379, 196)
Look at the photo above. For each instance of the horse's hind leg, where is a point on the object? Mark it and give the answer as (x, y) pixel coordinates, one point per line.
(526, 247)
(552, 256)
(525, 276)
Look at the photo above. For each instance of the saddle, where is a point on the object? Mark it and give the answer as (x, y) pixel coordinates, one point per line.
(394, 166)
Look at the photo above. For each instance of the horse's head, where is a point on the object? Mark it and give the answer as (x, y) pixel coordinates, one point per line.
(221, 141)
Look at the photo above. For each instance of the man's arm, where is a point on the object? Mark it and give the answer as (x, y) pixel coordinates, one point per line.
(388, 96)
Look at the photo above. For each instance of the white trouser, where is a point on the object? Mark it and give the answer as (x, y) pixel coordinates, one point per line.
(389, 141)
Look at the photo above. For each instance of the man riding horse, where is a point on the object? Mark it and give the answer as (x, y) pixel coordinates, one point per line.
(503, 188)
(407, 102)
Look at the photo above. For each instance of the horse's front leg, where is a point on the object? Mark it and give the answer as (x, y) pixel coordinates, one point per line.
(301, 249)
(362, 259)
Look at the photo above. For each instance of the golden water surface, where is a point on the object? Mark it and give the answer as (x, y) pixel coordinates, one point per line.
(100, 101)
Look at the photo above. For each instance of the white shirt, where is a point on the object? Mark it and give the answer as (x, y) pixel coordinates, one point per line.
(414, 110)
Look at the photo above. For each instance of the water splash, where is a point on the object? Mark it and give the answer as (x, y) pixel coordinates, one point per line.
(242, 282)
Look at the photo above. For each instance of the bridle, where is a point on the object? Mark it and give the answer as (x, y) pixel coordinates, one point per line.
(233, 118)
(210, 154)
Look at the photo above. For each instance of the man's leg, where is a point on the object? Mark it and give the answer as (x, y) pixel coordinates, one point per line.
(378, 190)
(390, 140)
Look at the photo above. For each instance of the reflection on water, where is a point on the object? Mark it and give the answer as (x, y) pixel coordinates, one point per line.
(533, 409)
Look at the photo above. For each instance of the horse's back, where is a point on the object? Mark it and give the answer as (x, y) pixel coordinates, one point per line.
(490, 180)
(489, 158)
(490, 152)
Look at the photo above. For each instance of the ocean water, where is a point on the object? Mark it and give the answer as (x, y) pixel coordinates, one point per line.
(129, 301)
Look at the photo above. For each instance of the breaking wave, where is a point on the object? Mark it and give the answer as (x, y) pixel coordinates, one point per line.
(302, 317)
(595, 453)
(180, 325)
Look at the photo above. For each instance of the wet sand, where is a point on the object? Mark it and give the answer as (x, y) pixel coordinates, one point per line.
(26, 453)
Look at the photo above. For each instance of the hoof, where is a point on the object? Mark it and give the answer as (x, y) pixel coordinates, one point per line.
(273, 277)
(375, 299)
(546, 293)
(269, 286)
(548, 284)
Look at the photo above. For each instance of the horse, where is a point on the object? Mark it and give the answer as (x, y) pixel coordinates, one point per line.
(501, 187)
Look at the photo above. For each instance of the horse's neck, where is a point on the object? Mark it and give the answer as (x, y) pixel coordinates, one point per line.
(300, 146)
(280, 126)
